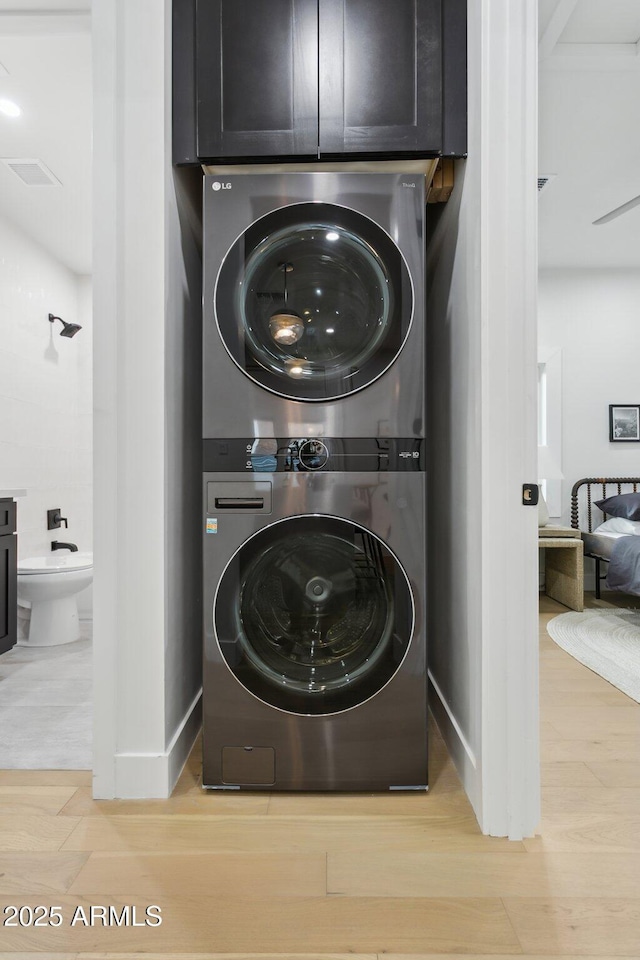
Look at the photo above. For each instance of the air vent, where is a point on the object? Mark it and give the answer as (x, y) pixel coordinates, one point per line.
(543, 180)
(32, 172)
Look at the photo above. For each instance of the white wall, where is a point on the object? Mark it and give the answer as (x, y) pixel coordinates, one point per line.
(453, 423)
(592, 317)
(45, 395)
(481, 268)
(147, 655)
(183, 477)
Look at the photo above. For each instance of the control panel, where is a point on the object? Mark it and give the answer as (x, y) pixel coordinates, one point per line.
(312, 454)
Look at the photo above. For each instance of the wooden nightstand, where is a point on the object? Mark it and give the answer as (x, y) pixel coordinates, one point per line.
(563, 569)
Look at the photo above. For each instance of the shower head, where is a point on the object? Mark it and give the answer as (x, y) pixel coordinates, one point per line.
(68, 329)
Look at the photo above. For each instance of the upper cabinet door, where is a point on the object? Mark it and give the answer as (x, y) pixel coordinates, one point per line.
(380, 85)
(257, 78)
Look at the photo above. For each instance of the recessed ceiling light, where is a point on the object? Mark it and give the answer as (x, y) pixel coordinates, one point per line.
(9, 108)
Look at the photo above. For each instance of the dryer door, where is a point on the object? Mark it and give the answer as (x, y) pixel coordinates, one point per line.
(314, 301)
(314, 615)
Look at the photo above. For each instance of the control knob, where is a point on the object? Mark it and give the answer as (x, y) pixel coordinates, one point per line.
(313, 454)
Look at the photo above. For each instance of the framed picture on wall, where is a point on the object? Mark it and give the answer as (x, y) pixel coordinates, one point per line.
(624, 423)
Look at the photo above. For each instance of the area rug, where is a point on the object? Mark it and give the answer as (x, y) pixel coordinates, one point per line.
(606, 641)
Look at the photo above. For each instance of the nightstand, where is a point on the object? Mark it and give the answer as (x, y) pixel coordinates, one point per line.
(563, 567)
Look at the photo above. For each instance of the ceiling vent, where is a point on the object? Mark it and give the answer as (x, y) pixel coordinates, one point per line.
(32, 172)
(544, 179)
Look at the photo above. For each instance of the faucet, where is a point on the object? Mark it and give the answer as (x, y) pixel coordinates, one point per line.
(58, 545)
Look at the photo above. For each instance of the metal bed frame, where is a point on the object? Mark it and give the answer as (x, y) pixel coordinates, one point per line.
(602, 482)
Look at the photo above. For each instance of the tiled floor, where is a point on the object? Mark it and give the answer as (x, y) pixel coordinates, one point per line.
(45, 706)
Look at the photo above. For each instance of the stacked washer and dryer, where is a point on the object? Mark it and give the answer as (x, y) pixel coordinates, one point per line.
(315, 672)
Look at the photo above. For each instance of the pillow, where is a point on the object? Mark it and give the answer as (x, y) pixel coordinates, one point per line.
(625, 505)
(619, 525)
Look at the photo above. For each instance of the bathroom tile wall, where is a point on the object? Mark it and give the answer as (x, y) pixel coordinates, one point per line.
(46, 406)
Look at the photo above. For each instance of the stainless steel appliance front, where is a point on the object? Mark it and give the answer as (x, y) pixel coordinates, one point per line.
(315, 648)
(314, 305)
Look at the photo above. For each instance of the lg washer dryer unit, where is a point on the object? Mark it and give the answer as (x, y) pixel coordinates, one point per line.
(314, 585)
(314, 304)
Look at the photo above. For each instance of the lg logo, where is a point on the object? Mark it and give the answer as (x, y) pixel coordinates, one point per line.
(220, 186)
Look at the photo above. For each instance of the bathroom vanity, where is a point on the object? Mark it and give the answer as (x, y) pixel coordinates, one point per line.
(8, 569)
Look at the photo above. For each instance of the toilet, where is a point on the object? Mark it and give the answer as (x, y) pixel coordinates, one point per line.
(50, 585)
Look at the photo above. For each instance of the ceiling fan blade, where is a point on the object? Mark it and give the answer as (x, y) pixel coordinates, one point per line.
(629, 205)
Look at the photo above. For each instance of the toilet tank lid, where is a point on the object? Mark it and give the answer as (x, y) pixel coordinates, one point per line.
(56, 563)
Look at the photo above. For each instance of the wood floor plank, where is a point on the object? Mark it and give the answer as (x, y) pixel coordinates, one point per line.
(198, 834)
(34, 799)
(571, 801)
(287, 925)
(567, 773)
(19, 955)
(46, 778)
(196, 801)
(224, 875)
(574, 682)
(585, 833)
(45, 872)
(592, 750)
(478, 874)
(30, 832)
(608, 728)
(440, 805)
(224, 956)
(549, 732)
(484, 956)
(595, 715)
(301, 956)
(616, 773)
(233, 956)
(576, 925)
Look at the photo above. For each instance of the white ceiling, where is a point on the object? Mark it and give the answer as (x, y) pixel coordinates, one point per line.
(45, 47)
(589, 131)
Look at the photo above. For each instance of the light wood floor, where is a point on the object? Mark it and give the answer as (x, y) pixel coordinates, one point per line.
(347, 876)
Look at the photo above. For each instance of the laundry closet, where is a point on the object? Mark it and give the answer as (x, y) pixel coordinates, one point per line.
(313, 417)
(315, 437)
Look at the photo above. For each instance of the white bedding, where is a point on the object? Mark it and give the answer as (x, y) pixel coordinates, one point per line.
(601, 544)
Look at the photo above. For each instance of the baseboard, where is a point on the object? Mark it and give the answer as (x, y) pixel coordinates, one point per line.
(154, 775)
(183, 740)
(459, 748)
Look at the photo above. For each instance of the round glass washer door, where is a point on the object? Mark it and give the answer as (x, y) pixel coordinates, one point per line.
(314, 615)
(314, 301)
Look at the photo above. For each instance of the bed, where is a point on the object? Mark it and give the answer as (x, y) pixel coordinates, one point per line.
(615, 544)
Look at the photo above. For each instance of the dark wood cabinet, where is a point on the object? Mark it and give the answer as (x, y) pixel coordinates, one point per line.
(380, 67)
(8, 576)
(318, 79)
(257, 78)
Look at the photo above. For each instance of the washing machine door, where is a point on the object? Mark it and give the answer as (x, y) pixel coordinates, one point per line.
(314, 301)
(314, 615)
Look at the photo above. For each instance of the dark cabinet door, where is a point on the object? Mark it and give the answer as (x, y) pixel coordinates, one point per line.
(380, 86)
(8, 588)
(257, 78)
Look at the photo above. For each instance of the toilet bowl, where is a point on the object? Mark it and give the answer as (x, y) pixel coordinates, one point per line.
(50, 585)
